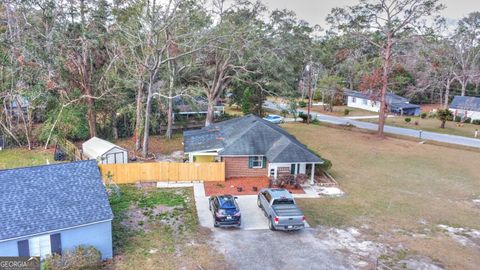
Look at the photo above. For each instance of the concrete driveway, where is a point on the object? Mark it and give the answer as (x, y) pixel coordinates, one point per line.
(252, 216)
(265, 249)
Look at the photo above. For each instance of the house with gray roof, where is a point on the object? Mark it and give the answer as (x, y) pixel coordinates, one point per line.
(370, 101)
(250, 147)
(52, 208)
(466, 107)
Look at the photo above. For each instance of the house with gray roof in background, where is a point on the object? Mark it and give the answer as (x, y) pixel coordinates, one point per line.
(466, 107)
(370, 101)
(52, 208)
(250, 147)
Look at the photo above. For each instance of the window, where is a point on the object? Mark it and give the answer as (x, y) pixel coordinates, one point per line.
(354, 100)
(40, 246)
(257, 162)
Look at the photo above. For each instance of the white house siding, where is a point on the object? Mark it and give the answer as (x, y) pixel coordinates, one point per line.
(364, 104)
(98, 235)
(300, 168)
(474, 115)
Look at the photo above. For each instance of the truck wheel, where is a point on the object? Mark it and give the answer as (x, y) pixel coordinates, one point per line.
(270, 224)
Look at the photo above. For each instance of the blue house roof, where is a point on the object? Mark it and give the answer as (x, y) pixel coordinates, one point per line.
(35, 200)
(466, 103)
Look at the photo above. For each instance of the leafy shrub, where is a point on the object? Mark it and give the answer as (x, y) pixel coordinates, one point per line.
(346, 112)
(82, 257)
(302, 104)
(423, 115)
(458, 119)
(304, 117)
(285, 180)
(444, 115)
(408, 119)
(476, 122)
(327, 164)
(467, 120)
(315, 121)
(416, 123)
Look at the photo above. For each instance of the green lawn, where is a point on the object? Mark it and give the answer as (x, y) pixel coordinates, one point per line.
(340, 111)
(20, 157)
(431, 124)
(158, 229)
(396, 189)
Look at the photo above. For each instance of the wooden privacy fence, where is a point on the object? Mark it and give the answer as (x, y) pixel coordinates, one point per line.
(162, 172)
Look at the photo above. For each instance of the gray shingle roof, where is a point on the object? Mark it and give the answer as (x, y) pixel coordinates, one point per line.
(249, 135)
(38, 199)
(390, 97)
(466, 103)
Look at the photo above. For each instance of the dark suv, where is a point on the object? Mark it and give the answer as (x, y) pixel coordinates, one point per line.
(225, 210)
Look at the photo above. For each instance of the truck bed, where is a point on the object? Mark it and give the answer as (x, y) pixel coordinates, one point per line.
(287, 210)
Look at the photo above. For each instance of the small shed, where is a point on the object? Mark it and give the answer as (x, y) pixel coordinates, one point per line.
(104, 151)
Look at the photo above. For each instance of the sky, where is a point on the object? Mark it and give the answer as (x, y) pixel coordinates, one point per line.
(316, 11)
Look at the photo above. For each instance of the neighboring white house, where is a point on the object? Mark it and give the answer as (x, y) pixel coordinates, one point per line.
(104, 152)
(395, 103)
(466, 107)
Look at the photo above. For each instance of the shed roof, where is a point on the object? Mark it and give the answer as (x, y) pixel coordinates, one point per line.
(466, 103)
(249, 135)
(40, 199)
(96, 147)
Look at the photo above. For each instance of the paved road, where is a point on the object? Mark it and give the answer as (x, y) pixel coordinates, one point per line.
(425, 135)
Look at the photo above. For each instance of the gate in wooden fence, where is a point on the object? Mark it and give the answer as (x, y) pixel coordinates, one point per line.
(162, 172)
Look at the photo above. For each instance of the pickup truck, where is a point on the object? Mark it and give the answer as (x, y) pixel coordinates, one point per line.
(279, 207)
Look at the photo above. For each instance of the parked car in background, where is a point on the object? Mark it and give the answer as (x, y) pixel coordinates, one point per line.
(280, 208)
(273, 118)
(225, 211)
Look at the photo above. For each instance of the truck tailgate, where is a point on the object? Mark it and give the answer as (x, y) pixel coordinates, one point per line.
(288, 215)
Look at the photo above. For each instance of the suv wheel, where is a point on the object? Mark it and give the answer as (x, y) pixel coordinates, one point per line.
(258, 203)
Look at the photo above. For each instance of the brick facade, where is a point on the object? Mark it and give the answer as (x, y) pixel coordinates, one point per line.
(238, 167)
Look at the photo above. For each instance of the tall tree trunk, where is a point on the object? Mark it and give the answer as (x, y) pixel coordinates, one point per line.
(464, 87)
(146, 130)
(171, 69)
(168, 134)
(210, 111)
(114, 125)
(383, 101)
(87, 86)
(447, 94)
(138, 116)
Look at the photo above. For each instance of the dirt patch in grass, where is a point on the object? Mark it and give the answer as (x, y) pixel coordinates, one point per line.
(397, 191)
(159, 145)
(158, 229)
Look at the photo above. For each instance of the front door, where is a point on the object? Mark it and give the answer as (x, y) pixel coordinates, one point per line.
(292, 168)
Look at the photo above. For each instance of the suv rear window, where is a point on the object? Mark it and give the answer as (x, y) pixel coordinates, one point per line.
(282, 201)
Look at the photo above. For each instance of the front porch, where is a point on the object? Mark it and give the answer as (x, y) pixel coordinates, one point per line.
(242, 186)
(278, 171)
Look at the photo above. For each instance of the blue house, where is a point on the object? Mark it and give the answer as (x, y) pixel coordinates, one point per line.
(52, 208)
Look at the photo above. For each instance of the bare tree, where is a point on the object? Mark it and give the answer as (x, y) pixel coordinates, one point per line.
(391, 20)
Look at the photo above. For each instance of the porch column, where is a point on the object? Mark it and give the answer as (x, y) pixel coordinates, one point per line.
(312, 175)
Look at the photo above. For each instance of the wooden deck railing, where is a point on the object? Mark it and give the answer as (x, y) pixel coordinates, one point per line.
(162, 172)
